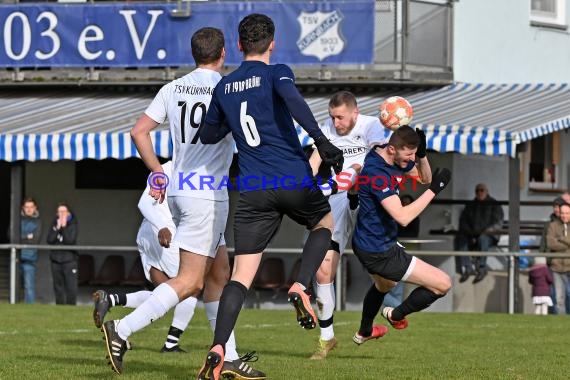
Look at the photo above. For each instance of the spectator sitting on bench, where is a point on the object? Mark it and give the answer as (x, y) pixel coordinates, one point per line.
(478, 223)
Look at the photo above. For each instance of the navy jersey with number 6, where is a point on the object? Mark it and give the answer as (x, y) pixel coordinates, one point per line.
(255, 102)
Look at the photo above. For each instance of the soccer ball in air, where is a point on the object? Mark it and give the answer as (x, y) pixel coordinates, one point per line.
(395, 112)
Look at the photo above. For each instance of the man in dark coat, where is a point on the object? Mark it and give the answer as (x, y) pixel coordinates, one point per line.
(478, 225)
(64, 261)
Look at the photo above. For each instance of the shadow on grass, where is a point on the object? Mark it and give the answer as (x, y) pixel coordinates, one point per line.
(304, 355)
(83, 342)
(132, 366)
(99, 341)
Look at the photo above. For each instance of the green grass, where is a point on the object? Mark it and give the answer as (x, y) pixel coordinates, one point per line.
(61, 342)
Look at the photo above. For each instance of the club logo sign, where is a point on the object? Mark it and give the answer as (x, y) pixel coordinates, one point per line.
(320, 35)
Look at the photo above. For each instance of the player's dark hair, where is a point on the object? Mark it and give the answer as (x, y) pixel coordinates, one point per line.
(207, 44)
(256, 31)
(29, 200)
(404, 137)
(342, 98)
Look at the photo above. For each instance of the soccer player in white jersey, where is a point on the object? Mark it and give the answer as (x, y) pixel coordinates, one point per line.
(197, 198)
(160, 264)
(355, 134)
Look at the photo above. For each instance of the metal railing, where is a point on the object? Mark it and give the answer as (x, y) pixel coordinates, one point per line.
(512, 258)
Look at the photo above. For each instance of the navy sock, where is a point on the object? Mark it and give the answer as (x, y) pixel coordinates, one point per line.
(370, 308)
(419, 299)
(231, 303)
(314, 253)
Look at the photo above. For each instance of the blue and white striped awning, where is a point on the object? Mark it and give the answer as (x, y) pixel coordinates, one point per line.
(77, 146)
(464, 118)
(62, 125)
(490, 119)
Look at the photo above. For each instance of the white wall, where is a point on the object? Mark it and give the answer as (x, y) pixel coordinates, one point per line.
(106, 217)
(494, 43)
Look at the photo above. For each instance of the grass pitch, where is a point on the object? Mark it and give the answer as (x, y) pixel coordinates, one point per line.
(61, 342)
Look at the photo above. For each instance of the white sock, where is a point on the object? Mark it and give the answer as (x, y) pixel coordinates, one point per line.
(136, 299)
(183, 313)
(326, 297)
(162, 299)
(212, 314)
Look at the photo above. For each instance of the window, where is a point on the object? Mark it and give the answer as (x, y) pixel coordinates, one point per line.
(548, 13)
(543, 162)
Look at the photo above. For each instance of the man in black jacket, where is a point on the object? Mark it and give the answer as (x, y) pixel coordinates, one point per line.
(478, 225)
(64, 262)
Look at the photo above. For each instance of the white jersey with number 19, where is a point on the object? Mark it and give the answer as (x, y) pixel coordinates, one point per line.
(199, 171)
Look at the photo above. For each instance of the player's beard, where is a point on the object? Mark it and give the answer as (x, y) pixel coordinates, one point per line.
(400, 161)
(348, 129)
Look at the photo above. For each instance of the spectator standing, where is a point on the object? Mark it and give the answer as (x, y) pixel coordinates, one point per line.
(558, 240)
(31, 231)
(541, 279)
(64, 261)
(559, 201)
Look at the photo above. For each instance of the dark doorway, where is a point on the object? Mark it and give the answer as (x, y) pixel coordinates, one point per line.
(5, 187)
(5, 206)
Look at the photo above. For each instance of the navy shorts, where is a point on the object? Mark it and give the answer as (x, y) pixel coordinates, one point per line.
(392, 264)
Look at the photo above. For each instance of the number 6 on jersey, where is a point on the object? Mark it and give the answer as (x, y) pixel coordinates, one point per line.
(248, 126)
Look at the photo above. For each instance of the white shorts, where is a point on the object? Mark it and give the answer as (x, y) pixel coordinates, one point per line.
(154, 255)
(200, 224)
(344, 219)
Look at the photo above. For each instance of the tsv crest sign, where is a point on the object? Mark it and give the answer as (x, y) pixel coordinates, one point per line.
(320, 35)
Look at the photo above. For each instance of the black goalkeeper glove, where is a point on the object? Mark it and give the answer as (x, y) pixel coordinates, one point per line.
(421, 152)
(352, 200)
(439, 180)
(330, 154)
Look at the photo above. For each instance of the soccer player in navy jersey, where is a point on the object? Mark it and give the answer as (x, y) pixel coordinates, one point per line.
(375, 237)
(257, 103)
(355, 134)
(199, 213)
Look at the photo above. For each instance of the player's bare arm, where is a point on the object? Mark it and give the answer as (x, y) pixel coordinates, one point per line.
(315, 161)
(141, 137)
(422, 171)
(403, 215)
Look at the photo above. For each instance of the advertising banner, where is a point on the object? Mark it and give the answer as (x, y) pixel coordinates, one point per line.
(157, 35)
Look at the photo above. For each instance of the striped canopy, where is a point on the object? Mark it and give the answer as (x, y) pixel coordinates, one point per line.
(486, 119)
(62, 125)
(463, 118)
(490, 119)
